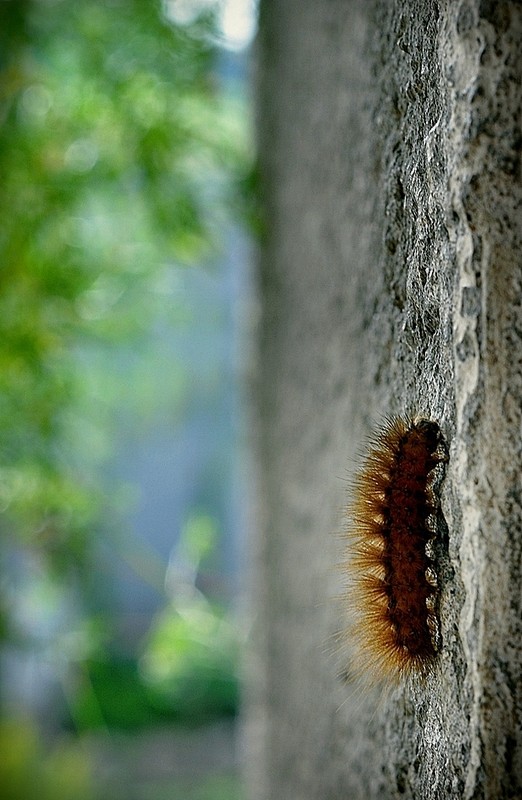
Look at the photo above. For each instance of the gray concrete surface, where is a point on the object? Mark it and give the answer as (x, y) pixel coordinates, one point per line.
(391, 283)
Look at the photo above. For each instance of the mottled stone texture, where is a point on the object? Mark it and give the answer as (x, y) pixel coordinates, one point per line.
(390, 282)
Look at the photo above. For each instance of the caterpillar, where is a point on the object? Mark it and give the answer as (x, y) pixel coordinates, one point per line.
(392, 550)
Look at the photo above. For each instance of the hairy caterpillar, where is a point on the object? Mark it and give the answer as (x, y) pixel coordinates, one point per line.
(392, 554)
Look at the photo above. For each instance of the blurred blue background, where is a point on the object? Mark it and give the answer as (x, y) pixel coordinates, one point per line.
(128, 220)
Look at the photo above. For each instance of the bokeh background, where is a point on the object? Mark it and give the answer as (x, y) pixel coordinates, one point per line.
(128, 221)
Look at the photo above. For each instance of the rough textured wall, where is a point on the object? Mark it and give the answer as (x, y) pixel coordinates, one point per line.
(391, 282)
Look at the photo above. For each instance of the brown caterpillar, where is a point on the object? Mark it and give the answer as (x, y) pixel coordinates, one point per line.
(392, 533)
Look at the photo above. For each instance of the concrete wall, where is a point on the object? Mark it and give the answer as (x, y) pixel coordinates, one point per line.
(391, 282)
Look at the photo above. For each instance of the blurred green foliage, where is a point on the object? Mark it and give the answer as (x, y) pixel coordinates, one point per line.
(30, 772)
(122, 161)
(117, 158)
(190, 656)
(217, 787)
(187, 669)
(191, 662)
